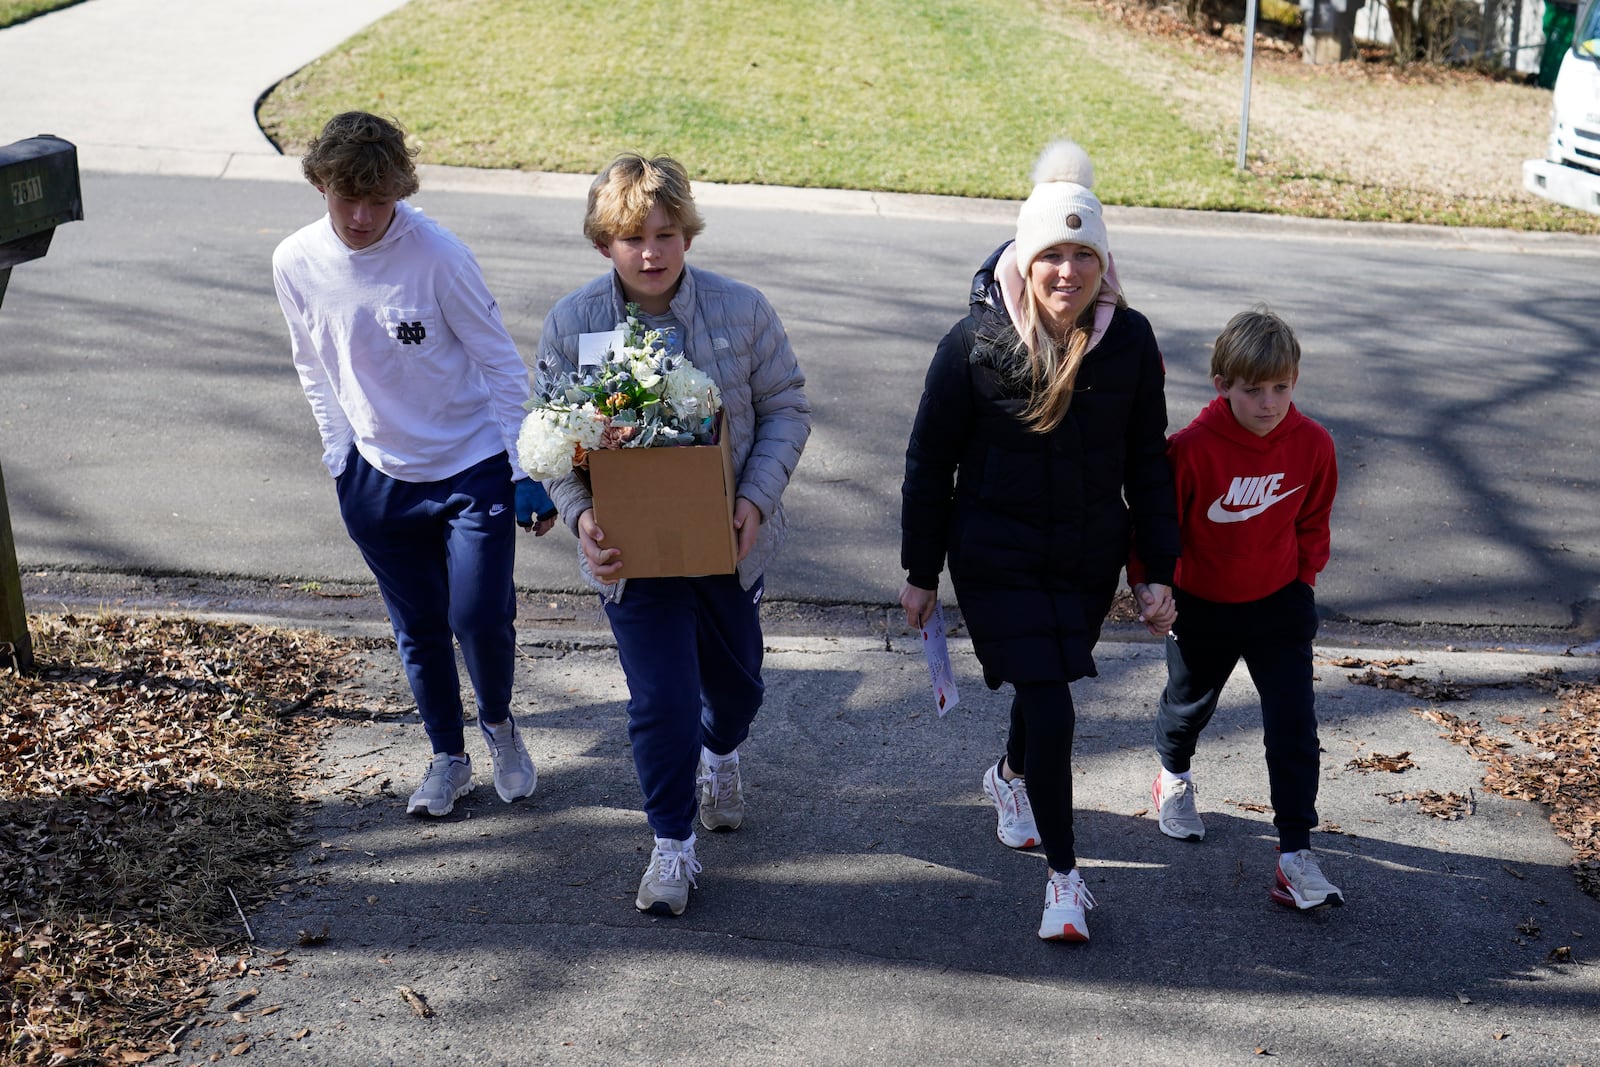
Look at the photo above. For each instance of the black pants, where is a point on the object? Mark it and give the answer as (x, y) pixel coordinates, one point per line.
(1273, 636)
(1039, 748)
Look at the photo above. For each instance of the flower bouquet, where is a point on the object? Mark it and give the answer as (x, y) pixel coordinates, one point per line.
(670, 510)
(638, 396)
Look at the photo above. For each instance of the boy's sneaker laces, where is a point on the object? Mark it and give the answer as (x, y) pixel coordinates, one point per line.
(514, 773)
(1176, 813)
(446, 780)
(664, 889)
(721, 795)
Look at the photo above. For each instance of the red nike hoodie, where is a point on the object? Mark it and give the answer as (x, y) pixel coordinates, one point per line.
(1253, 511)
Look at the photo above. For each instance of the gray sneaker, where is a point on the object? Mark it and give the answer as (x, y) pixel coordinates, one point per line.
(514, 775)
(447, 779)
(1176, 813)
(1300, 883)
(664, 889)
(721, 795)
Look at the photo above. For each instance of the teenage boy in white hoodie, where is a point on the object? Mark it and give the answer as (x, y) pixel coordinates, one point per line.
(418, 393)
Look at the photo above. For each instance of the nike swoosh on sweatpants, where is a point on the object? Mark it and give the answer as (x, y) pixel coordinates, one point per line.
(1216, 514)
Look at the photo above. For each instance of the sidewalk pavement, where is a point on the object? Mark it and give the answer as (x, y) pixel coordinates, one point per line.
(165, 86)
(865, 913)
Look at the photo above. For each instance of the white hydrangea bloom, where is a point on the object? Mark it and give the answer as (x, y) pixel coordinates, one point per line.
(690, 393)
(548, 436)
(544, 448)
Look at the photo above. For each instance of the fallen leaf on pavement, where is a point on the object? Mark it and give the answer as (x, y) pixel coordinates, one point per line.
(307, 937)
(1395, 764)
(419, 1006)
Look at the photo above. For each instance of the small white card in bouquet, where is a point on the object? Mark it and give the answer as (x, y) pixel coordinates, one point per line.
(593, 348)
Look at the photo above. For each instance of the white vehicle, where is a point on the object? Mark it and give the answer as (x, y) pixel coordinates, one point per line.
(1570, 172)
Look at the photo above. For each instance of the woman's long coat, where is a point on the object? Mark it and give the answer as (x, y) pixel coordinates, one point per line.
(1036, 528)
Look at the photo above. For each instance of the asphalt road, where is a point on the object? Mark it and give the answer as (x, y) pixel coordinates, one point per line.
(150, 421)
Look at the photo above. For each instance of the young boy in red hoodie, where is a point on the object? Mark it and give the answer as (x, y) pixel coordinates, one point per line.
(1255, 481)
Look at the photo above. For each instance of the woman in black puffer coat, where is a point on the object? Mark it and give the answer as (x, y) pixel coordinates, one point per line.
(1037, 457)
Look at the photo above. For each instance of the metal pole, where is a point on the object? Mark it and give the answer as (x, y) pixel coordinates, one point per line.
(16, 649)
(1249, 56)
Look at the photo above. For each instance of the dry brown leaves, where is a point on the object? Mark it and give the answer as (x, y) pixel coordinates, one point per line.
(1563, 773)
(1468, 733)
(150, 772)
(1447, 806)
(1398, 763)
(1421, 688)
(1358, 661)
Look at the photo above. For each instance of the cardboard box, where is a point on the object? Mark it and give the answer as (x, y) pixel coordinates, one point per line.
(669, 509)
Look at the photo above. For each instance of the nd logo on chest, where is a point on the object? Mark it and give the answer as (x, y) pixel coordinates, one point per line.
(1248, 497)
(410, 333)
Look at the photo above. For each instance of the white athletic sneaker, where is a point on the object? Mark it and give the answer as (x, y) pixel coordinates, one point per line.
(721, 794)
(1300, 883)
(1066, 898)
(1176, 813)
(514, 774)
(1017, 828)
(664, 889)
(447, 779)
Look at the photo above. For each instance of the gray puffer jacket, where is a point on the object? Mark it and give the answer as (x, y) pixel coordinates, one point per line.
(732, 334)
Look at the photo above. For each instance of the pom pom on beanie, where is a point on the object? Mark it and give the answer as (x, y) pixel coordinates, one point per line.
(1061, 208)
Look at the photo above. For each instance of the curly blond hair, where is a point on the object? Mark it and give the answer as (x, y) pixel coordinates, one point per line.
(360, 156)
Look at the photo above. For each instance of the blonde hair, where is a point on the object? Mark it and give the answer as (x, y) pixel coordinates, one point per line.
(1255, 346)
(1053, 363)
(629, 189)
(360, 156)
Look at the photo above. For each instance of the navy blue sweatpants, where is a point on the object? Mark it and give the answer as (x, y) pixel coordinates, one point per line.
(1273, 636)
(442, 553)
(691, 651)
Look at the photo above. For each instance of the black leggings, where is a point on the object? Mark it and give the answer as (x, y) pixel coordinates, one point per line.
(1040, 749)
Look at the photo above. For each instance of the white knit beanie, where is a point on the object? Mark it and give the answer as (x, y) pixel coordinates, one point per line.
(1061, 207)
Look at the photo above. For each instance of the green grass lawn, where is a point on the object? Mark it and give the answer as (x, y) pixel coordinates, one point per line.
(13, 11)
(929, 96)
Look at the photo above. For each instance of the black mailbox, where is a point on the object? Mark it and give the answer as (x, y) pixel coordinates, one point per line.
(38, 192)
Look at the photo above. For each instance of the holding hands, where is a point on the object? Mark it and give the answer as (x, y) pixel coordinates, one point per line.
(1157, 610)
